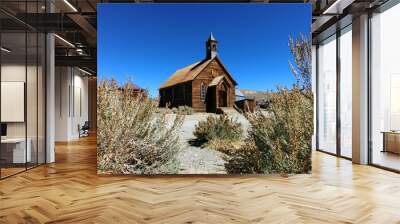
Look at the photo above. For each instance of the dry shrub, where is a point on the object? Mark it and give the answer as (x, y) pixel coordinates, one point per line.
(284, 137)
(226, 146)
(281, 138)
(218, 127)
(183, 110)
(133, 137)
(244, 158)
(279, 141)
(241, 156)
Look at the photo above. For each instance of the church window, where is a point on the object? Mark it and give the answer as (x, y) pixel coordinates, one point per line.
(203, 89)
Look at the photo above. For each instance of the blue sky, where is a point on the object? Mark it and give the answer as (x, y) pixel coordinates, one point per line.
(148, 42)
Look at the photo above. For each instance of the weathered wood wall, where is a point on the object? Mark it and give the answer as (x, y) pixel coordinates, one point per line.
(213, 70)
(189, 93)
(178, 95)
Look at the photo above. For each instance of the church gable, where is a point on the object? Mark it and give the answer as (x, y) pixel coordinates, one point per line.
(213, 69)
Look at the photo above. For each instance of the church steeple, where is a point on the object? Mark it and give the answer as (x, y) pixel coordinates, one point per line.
(211, 47)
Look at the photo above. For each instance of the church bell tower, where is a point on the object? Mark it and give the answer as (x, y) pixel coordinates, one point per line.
(211, 47)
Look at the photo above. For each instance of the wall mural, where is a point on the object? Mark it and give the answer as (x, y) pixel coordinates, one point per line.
(204, 89)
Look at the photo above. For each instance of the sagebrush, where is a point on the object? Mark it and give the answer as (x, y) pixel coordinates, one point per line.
(283, 137)
(241, 157)
(279, 138)
(218, 127)
(183, 110)
(133, 137)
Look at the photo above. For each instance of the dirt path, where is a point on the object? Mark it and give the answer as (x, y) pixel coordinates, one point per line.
(194, 159)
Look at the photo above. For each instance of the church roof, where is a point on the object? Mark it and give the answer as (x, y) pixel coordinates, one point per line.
(185, 74)
(216, 80)
(190, 72)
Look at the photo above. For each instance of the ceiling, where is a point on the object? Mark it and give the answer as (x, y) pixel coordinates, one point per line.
(332, 15)
(75, 21)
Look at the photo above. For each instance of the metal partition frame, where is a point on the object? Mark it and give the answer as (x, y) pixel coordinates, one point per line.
(44, 75)
(338, 34)
(388, 5)
(325, 35)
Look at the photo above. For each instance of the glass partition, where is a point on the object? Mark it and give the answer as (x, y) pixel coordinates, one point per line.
(385, 89)
(41, 97)
(13, 94)
(327, 95)
(22, 88)
(31, 97)
(346, 92)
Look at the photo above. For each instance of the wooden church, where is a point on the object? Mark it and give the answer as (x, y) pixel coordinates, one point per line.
(205, 85)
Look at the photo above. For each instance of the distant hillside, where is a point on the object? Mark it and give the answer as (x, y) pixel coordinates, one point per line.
(253, 94)
(261, 97)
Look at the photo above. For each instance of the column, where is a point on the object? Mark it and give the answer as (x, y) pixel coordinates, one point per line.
(360, 90)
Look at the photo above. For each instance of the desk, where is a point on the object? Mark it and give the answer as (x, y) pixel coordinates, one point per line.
(13, 150)
(391, 141)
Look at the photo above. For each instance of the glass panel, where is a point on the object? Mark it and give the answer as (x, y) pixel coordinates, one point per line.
(385, 92)
(41, 98)
(23, 89)
(327, 95)
(32, 88)
(31, 98)
(13, 89)
(346, 92)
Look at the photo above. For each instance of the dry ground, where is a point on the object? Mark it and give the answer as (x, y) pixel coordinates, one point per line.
(201, 160)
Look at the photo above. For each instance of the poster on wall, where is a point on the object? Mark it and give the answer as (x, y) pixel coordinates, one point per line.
(204, 89)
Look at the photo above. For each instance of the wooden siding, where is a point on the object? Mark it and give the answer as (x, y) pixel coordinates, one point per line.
(213, 70)
(175, 96)
(189, 93)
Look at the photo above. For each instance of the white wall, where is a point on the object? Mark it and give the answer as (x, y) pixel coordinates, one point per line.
(33, 126)
(79, 110)
(71, 102)
(12, 73)
(62, 83)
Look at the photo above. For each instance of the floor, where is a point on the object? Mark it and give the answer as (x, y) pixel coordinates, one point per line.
(387, 159)
(8, 171)
(70, 191)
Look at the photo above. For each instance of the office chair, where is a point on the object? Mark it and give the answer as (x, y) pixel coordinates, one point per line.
(84, 130)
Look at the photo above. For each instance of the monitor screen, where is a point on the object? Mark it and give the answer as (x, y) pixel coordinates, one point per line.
(3, 129)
